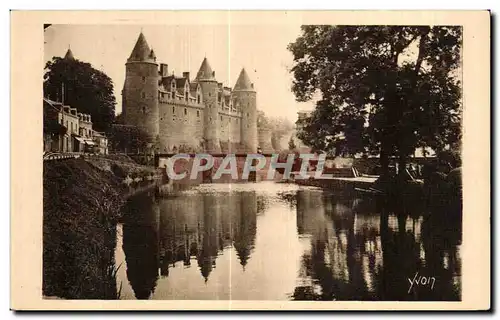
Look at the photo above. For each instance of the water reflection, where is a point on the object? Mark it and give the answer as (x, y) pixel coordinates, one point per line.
(358, 254)
(275, 241)
(140, 244)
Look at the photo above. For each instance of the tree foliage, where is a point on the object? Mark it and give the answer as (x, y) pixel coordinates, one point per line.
(85, 88)
(383, 89)
(278, 127)
(291, 144)
(129, 139)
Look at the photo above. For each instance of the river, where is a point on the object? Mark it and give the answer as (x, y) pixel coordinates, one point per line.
(275, 241)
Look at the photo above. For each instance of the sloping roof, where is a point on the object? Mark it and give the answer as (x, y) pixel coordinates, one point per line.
(205, 72)
(243, 82)
(54, 104)
(167, 82)
(69, 55)
(180, 82)
(152, 54)
(141, 51)
(193, 86)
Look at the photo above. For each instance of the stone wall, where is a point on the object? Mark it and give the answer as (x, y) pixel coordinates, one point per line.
(230, 127)
(180, 125)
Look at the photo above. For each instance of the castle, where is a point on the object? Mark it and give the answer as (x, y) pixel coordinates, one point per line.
(176, 111)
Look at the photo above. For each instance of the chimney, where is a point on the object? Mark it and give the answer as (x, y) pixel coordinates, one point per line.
(164, 70)
(185, 75)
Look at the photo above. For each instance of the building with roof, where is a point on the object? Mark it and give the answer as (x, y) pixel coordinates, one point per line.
(67, 130)
(198, 112)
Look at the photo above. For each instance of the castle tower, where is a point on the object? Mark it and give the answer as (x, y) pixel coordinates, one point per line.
(208, 83)
(245, 98)
(140, 91)
(69, 55)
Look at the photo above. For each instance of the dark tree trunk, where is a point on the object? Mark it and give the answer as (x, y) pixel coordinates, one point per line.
(402, 162)
(384, 161)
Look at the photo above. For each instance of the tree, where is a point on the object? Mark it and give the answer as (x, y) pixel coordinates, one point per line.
(85, 88)
(385, 90)
(291, 144)
(278, 127)
(129, 139)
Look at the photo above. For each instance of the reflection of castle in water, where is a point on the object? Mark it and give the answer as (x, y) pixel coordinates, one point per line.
(166, 233)
(140, 244)
(361, 255)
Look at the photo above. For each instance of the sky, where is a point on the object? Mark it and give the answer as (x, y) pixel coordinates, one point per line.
(260, 49)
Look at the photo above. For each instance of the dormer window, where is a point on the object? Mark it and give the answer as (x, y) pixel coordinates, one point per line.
(187, 96)
(199, 99)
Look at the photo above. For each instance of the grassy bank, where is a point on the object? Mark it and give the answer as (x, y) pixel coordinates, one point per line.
(81, 204)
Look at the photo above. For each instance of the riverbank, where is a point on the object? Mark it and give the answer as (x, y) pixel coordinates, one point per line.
(81, 205)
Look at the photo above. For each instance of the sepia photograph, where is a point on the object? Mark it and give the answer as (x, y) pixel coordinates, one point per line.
(251, 161)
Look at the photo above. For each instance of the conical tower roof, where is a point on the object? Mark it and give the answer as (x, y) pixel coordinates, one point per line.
(69, 55)
(141, 51)
(243, 82)
(205, 72)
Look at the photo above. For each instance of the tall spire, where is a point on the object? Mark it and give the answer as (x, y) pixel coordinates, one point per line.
(69, 55)
(205, 72)
(141, 51)
(243, 83)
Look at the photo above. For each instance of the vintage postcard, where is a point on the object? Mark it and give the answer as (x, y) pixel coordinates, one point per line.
(250, 160)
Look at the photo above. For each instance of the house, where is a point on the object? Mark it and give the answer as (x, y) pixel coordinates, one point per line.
(65, 129)
(101, 143)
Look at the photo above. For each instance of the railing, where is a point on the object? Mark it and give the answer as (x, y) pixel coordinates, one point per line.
(47, 156)
(59, 156)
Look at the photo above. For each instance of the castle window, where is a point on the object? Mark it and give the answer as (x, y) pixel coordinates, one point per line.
(248, 114)
(198, 99)
(143, 94)
(185, 111)
(173, 110)
(220, 118)
(187, 96)
(143, 79)
(144, 110)
(198, 113)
